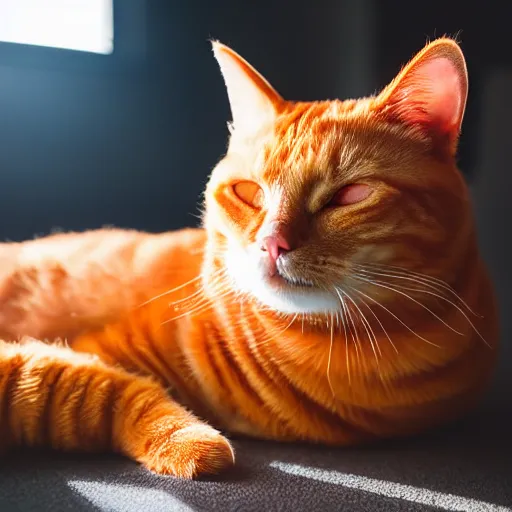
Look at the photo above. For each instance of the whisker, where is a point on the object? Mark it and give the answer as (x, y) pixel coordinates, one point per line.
(218, 274)
(278, 333)
(412, 272)
(168, 292)
(208, 303)
(376, 318)
(396, 318)
(432, 283)
(216, 280)
(184, 299)
(355, 334)
(374, 283)
(329, 358)
(364, 322)
(347, 358)
(455, 306)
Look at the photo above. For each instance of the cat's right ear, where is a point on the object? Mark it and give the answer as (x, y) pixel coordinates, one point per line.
(430, 94)
(253, 101)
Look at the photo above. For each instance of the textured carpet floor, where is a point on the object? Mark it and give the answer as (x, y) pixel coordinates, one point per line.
(467, 467)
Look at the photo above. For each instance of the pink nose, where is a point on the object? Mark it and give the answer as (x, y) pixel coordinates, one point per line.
(275, 244)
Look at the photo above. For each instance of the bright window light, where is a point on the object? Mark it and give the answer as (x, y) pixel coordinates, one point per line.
(82, 25)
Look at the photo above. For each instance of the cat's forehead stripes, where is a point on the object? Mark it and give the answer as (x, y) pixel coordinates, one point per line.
(313, 143)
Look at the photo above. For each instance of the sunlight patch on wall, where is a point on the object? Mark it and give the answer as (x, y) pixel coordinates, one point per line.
(82, 25)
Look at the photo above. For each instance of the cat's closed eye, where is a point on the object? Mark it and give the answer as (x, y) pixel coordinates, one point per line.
(350, 194)
(250, 193)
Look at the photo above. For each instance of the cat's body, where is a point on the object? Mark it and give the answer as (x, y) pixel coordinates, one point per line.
(334, 326)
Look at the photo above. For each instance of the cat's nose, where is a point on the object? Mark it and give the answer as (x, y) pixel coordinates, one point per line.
(276, 243)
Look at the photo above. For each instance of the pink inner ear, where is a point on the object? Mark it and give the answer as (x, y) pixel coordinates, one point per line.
(430, 95)
(443, 95)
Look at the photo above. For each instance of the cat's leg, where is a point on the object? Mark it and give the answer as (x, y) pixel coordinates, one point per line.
(52, 396)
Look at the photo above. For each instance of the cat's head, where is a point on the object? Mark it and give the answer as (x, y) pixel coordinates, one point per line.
(310, 194)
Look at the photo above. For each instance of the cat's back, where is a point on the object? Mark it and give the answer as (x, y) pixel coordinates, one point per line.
(59, 284)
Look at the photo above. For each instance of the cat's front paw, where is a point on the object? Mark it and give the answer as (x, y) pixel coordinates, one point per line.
(189, 452)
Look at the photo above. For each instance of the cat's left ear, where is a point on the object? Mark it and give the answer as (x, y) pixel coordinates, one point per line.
(430, 94)
(253, 101)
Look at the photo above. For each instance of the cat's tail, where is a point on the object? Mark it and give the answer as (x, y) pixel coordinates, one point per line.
(52, 396)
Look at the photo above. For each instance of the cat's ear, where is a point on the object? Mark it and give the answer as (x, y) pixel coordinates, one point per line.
(252, 99)
(430, 93)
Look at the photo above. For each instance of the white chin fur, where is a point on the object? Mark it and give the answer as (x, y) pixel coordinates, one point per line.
(249, 277)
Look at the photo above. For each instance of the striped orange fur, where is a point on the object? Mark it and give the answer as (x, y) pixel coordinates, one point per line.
(335, 293)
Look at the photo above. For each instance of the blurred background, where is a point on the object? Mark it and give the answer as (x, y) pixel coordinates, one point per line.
(126, 132)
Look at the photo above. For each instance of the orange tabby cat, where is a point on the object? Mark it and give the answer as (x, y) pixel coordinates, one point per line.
(335, 295)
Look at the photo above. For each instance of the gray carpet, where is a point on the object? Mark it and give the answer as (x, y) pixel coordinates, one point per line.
(466, 467)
